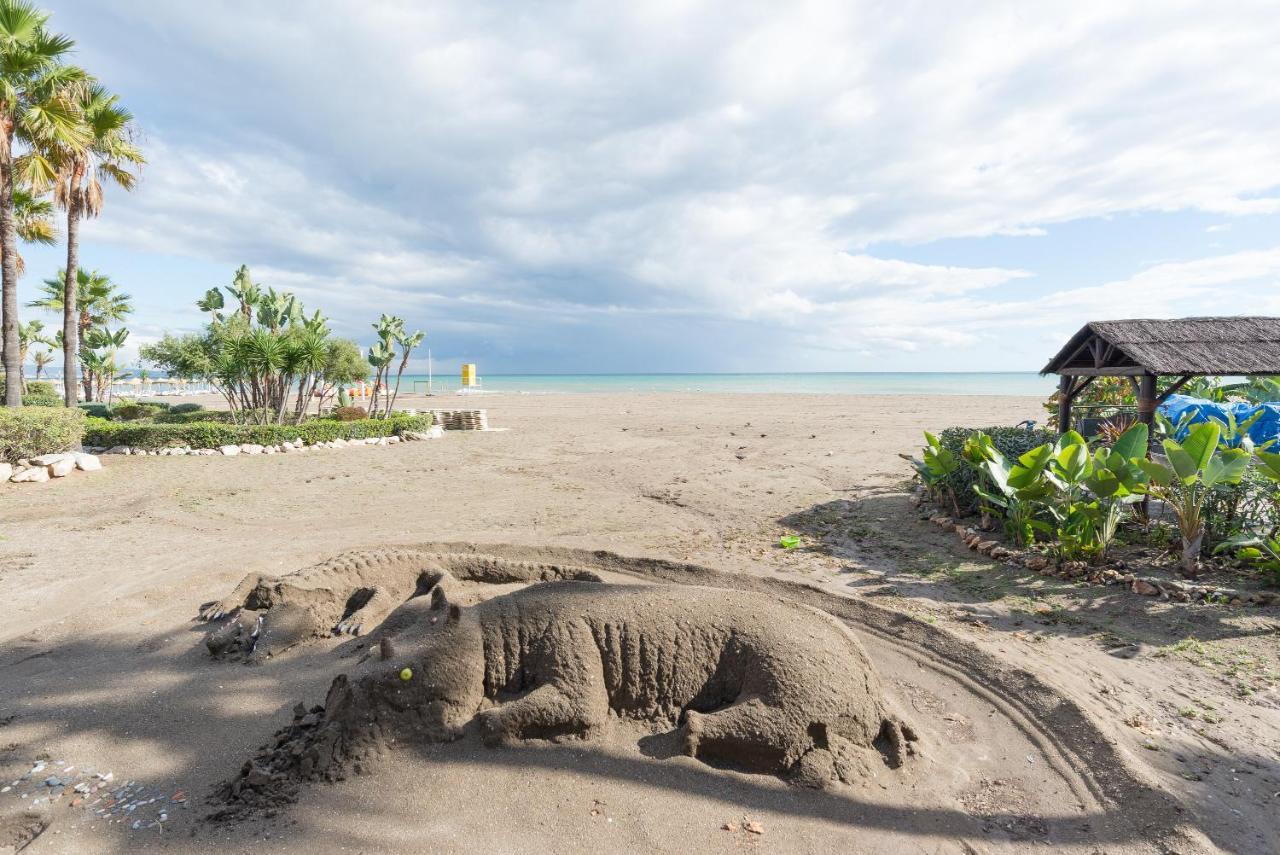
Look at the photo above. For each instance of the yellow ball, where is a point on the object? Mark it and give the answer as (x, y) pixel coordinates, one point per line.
(406, 674)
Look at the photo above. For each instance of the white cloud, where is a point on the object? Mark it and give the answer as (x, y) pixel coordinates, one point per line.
(518, 166)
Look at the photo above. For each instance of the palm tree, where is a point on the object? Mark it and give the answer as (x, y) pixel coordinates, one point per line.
(41, 359)
(98, 303)
(108, 155)
(37, 107)
(32, 332)
(33, 220)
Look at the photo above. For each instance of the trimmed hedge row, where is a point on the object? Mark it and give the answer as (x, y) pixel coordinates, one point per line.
(152, 436)
(32, 431)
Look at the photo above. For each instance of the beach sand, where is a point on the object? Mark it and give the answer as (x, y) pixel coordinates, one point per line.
(102, 665)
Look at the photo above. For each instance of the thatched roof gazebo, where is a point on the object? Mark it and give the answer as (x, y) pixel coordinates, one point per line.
(1179, 348)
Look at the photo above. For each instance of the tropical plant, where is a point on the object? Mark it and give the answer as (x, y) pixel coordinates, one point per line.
(41, 358)
(268, 359)
(107, 155)
(382, 353)
(98, 353)
(1094, 489)
(98, 303)
(407, 342)
(344, 364)
(935, 464)
(1196, 465)
(32, 332)
(1014, 490)
(1259, 551)
(1104, 393)
(38, 108)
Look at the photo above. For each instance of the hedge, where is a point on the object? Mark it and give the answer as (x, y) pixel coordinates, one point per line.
(32, 431)
(1013, 442)
(206, 434)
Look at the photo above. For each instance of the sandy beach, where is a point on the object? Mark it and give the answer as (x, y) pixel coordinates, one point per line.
(103, 663)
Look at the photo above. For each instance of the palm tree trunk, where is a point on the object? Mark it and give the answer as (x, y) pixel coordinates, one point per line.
(70, 292)
(9, 277)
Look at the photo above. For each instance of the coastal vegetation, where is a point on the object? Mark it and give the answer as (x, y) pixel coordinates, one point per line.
(1075, 498)
(270, 359)
(61, 133)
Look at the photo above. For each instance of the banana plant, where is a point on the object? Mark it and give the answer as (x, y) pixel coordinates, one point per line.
(1263, 553)
(1017, 488)
(1196, 465)
(935, 465)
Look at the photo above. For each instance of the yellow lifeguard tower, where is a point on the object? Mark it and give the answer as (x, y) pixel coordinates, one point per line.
(469, 375)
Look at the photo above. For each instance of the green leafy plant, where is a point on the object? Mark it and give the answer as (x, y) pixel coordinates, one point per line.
(934, 465)
(1261, 553)
(1195, 467)
(1012, 442)
(32, 431)
(209, 434)
(186, 408)
(1014, 490)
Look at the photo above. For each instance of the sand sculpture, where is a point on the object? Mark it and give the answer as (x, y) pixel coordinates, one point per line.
(752, 680)
(349, 594)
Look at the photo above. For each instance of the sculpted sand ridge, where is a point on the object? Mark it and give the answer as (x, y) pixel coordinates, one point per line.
(752, 680)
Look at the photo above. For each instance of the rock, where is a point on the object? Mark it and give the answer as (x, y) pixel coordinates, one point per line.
(393, 440)
(287, 448)
(382, 440)
(36, 474)
(960, 530)
(118, 449)
(257, 778)
(1037, 563)
(1145, 588)
(6, 469)
(48, 459)
(268, 449)
(1000, 553)
(985, 547)
(229, 450)
(338, 443)
(179, 452)
(62, 467)
(88, 463)
(250, 448)
(943, 522)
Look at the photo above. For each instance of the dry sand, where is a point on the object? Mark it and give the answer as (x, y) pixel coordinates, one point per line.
(102, 665)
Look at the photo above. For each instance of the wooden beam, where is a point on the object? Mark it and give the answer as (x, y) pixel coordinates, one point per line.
(1080, 387)
(1183, 381)
(1133, 381)
(1088, 340)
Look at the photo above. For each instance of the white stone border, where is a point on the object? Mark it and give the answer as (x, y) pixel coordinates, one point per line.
(37, 470)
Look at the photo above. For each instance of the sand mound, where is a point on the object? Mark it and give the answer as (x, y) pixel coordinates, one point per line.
(347, 595)
(752, 681)
(18, 830)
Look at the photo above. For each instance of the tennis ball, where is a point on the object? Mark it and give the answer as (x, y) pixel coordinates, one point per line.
(406, 674)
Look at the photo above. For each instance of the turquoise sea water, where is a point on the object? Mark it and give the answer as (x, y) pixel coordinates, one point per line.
(852, 383)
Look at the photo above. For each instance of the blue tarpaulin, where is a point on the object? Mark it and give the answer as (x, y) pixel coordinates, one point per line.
(1265, 429)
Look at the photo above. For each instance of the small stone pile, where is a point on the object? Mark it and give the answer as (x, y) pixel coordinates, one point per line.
(290, 447)
(461, 419)
(1147, 586)
(37, 470)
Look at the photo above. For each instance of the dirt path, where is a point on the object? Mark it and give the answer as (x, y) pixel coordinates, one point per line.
(103, 573)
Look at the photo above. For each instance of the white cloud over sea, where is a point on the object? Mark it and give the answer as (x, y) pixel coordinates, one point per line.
(711, 186)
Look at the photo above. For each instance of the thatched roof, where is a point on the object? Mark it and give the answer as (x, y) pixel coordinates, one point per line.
(1179, 346)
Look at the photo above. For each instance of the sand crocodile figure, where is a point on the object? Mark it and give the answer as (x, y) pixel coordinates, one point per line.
(750, 680)
(350, 594)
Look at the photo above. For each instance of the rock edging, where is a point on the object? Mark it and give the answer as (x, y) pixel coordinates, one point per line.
(38, 470)
(1147, 586)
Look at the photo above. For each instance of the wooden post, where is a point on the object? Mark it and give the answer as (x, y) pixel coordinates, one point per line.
(1065, 397)
(1147, 405)
(1147, 415)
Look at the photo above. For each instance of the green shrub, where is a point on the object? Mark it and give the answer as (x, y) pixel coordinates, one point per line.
(1234, 509)
(186, 408)
(208, 434)
(1012, 442)
(100, 411)
(350, 414)
(32, 431)
(133, 411)
(30, 400)
(42, 388)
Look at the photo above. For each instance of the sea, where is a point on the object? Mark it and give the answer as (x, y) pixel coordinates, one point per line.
(815, 383)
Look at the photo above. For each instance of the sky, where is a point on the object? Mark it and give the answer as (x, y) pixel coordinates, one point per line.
(698, 187)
